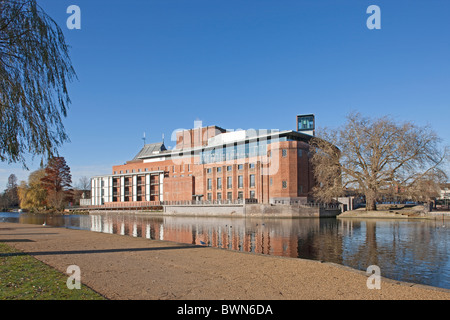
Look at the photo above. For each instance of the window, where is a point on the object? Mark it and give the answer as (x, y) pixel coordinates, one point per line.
(252, 194)
(229, 182)
(219, 169)
(209, 184)
(251, 166)
(219, 183)
(229, 168)
(240, 181)
(240, 195)
(300, 153)
(300, 190)
(252, 181)
(271, 181)
(284, 183)
(305, 122)
(209, 196)
(284, 153)
(189, 168)
(219, 195)
(240, 166)
(230, 195)
(208, 170)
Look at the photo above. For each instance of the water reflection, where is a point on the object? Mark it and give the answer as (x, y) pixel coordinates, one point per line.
(413, 251)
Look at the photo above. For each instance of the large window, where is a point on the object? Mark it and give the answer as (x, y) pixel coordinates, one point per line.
(240, 181)
(229, 182)
(305, 122)
(233, 152)
(219, 183)
(209, 184)
(252, 181)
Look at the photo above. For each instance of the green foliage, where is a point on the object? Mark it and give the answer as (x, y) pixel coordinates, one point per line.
(34, 71)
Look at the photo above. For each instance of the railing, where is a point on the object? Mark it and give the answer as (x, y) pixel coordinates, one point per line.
(204, 202)
(148, 204)
(307, 204)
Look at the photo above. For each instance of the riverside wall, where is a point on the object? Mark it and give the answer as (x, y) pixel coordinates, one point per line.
(252, 210)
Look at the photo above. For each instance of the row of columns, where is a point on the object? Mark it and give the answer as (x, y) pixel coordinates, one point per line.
(102, 188)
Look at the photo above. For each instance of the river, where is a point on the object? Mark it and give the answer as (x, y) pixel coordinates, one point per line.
(405, 250)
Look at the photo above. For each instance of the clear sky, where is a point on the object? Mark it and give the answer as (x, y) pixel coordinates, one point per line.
(158, 65)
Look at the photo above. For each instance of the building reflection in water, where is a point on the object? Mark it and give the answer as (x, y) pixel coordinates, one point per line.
(281, 237)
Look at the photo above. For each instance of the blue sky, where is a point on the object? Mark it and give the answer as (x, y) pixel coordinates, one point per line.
(157, 65)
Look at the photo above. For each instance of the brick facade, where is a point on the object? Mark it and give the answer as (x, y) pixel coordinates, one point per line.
(282, 171)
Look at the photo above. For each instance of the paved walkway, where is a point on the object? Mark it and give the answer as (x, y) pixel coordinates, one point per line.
(123, 267)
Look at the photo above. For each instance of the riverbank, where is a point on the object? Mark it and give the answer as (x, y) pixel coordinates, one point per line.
(124, 267)
(382, 214)
(386, 211)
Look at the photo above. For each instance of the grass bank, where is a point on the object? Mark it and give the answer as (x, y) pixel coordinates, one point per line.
(23, 277)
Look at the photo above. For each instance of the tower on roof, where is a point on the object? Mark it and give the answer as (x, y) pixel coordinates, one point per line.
(306, 123)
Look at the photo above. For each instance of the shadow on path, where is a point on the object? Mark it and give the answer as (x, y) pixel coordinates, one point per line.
(48, 253)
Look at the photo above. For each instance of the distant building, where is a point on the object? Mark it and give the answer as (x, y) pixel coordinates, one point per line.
(445, 192)
(212, 164)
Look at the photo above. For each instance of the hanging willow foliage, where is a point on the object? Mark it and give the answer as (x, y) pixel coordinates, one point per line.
(35, 69)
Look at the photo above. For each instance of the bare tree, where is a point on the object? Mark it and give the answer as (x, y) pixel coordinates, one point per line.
(377, 158)
(84, 183)
(11, 191)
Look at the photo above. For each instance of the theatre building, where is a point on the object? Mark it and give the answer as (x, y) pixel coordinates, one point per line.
(213, 165)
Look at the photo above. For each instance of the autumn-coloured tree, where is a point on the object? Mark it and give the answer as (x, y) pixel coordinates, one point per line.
(32, 196)
(377, 158)
(57, 181)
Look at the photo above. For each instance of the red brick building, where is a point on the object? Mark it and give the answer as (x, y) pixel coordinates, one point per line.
(213, 164)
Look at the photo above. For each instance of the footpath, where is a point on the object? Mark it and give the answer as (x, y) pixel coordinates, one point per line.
(127, 268)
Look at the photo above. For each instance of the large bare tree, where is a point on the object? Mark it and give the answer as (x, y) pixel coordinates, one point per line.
(377, 158)
(35, 69)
